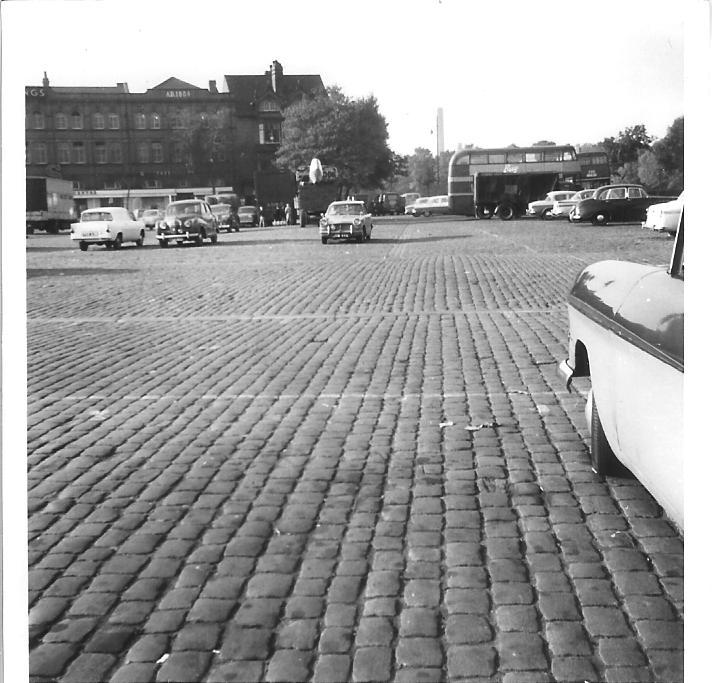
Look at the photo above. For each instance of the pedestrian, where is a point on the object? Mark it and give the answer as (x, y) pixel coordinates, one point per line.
(262, 218)
(288, 214)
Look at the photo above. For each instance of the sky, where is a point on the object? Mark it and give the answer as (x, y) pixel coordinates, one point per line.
(504, 72)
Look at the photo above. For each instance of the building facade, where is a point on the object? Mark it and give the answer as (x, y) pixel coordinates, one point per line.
(144, 149)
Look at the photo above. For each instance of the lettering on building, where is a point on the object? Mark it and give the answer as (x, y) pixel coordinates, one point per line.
(511, 168)
(178, 93)
(34, 91)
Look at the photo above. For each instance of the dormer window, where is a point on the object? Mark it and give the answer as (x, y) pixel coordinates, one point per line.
(268, 105)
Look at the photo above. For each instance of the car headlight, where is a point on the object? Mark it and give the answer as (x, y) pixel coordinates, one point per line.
(323, 222)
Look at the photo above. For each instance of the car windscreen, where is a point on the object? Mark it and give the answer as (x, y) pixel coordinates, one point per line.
(97, 216)
(344, 209)
(246, 209)
(182, 209)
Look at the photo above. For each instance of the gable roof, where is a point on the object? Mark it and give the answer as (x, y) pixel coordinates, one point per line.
(174, 83)
(247, 89)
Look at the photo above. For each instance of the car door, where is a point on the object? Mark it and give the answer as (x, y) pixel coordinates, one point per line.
(615, 204)
(637, 204)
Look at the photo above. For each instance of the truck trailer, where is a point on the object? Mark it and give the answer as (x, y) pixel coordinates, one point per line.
(49, 204)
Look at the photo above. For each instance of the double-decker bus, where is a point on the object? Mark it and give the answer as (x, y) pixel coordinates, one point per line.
(503, 180)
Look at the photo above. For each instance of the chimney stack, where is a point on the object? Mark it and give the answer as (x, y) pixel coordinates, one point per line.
(212, 86)
(45, 81)
(276, 72)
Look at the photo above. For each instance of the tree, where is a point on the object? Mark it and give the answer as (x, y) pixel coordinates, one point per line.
(421, 167)
(350, 134)
(625, 147)
(670, 154)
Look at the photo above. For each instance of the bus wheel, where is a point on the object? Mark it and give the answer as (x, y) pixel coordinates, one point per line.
(505, 212)
(481, 212)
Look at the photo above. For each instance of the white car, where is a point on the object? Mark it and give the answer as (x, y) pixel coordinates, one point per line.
(107, 225)
(563, 207)
(344, 220)
(542, 208)
(428, 206)
(665, 216)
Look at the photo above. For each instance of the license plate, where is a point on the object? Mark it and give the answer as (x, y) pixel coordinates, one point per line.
(90, 234)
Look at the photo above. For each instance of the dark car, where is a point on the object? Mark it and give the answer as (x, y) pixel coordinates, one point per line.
(249, 215)
(623, 202)
(228, 219)
(188, 220)
(626, 324)
(390, 203)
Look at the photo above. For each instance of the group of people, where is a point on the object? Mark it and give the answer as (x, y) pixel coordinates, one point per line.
(274, 214)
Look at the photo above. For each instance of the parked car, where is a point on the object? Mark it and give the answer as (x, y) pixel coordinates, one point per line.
(621, 202)
(665, 216)
(344, 220)
(626, 325)
(390, 203)
(563, 207)
(428, 206)
(248, 215)
(542, 208)
(149, 217)
(228, 219)
(408, 199)
(111, 226)
(187, 220)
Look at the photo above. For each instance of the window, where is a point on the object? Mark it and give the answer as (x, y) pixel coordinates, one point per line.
(634, 193)
(77, 121)
(39, 153)
(478, 158)
(178, 153)
(495, 158)
(79, 153)
(268, 105)
(38, 121)
(568, 155)
(141, 121)
(143, 153)
(533, 157)
(552, 155)
(114, 121)
(100, 152)
(176, 120)
(515, 157)
(156, 152)
(269, 133)
(115, 153)
(60, 121)
(64, 153)
(98, 121)
(155, 121)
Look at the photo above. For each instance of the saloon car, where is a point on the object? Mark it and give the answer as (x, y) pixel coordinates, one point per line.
(150, 217)
(665, 216)
(111, 226)
(344, 220)
(248, 215)
(621, 202)
(542, 208)
(626, 325)
(563, 207)
(228, 219)
(187, 220)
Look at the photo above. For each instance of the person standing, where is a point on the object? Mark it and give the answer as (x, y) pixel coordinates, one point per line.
(261, 222)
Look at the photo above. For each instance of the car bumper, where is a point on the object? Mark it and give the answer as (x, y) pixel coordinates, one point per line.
(91, 238)
(337, 231)
(177, 236)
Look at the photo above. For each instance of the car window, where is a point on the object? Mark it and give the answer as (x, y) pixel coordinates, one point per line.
(616, 193)
(182, 209)
(97, 216)
(634, 193)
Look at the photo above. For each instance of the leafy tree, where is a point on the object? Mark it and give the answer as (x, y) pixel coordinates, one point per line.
(350, 134)
(670, 154)
(651, 172)
(421, 166)
(625, 147)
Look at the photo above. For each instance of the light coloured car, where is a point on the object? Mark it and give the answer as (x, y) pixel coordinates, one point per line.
(111, 226)
(429, 206)
(542, 208)
(665, 216)
(248, 215)
(344, 220)
(563, 207)
(150, 217)
(626, 323)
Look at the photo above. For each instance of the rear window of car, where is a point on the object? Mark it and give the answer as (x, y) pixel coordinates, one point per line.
(97, 216)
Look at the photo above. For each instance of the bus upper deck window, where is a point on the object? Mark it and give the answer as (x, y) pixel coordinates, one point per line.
(533, 156)
(496, 158)
(515, 157)
(568, 155)
(552, 156)
(478, 158)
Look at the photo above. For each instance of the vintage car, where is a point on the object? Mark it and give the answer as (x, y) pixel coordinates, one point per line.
(228, 219)
(149, 217)
(563, 207)
(409, 199)
(187, 220)
(390, 203)
(665, 216)
(249, 215)
(111, 226)
(622, 202)
(626, 325)
(542, 208)
(344, 220)
(429, 206)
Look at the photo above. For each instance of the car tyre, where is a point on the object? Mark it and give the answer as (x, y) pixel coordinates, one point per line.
(163, 243)
(599, 218)
(214, 238)
(139, 241)
(118, 241)
(482, 213)
(426, 213)
(199, 239)
(83, 246)
(547, 215)
(505, 212)
(324, 240)
(603, 459)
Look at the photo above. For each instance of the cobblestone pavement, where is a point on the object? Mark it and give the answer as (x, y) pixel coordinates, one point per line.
(273, 460)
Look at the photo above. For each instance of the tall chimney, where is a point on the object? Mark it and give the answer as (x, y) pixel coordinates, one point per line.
(212, 86)
(45, 81)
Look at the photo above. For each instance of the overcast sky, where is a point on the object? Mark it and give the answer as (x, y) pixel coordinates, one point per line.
(505, 71)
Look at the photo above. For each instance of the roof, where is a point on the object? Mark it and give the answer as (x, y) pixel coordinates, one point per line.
(249, 89)
(174, 83)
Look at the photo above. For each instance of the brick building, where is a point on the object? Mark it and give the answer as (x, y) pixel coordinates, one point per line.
(134, 149)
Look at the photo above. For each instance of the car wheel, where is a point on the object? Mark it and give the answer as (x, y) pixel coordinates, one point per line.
(139, 241)
(163, 243)
(482, 213)
(109, 245)
(118, 241)
(324, 240)
(426, 213)
(505, 212)
(603, 459)
(199, 240)
(214, 238)
(599, 218)
(571, 216)
(547, 215)
(83, 246)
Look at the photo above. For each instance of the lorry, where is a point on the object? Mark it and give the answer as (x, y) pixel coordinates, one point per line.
(49, 204)
(313, 199)
(508, 195)
(274, 188)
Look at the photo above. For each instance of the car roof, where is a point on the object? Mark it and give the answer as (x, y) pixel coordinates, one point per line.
(106, 209)
(346, 202)
(186, 201)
